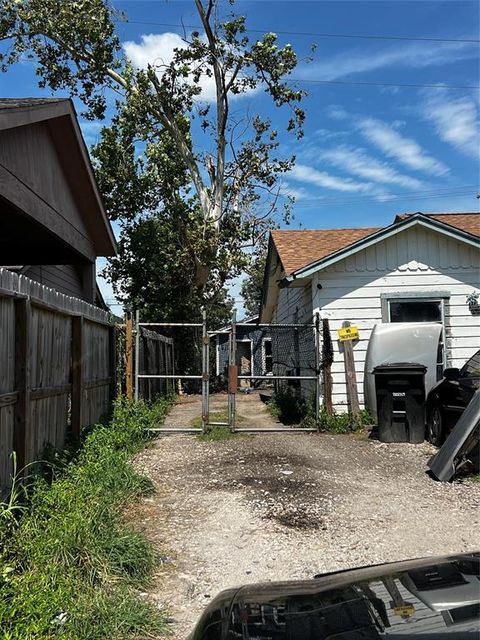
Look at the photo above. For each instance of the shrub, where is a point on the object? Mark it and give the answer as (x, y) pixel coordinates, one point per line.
(288, 406)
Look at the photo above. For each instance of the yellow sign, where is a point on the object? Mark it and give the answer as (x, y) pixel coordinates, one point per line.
(406, 611)
(348, 333)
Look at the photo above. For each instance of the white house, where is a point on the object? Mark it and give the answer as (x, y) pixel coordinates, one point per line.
(376, 275)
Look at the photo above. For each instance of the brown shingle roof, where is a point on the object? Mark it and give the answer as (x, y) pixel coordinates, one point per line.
(469, 222)
(297, 249)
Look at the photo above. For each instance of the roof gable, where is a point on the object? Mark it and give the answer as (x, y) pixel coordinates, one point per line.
(67, 140)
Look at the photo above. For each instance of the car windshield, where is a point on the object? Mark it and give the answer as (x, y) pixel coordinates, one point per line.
(436, 601)
(471, 368)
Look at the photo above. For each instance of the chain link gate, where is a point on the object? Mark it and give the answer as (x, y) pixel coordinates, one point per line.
(302, 338)
(295, 337)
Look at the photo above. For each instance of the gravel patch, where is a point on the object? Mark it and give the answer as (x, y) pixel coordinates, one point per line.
(288, 506)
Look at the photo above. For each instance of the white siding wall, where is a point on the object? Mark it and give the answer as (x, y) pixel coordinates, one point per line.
(416, 260)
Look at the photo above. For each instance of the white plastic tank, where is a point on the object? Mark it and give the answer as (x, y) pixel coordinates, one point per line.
(391, 343)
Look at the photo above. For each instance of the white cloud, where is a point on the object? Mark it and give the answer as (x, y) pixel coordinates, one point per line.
(358, 163)
(414, 55)
(405, 150)
(299, 193)
(304, 173)
(455, 121)
(158, 49)
(335, 112)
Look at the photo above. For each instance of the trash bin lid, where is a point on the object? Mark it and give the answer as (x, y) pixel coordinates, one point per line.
(400, 367)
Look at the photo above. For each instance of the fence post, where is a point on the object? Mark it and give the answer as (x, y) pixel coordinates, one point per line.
(22, 422)
(112, 361)
(137, 351)
(129, 356)
(351, 376)
(232, 373)
(205, 372)
(77, 376)
(317, 370)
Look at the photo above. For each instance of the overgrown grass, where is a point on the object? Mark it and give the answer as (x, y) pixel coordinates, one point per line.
(69, 565)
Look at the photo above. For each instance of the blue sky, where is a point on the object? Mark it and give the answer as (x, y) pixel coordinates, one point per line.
(370, 150)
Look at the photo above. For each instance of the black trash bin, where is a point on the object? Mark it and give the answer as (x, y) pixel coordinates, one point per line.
(400, 393)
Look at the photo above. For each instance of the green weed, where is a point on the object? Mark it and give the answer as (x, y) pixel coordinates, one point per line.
(70, 567)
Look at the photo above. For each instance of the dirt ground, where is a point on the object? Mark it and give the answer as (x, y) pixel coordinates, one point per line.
(249, 407)
(286, 506)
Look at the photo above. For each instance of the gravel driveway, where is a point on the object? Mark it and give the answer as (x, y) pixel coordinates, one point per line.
(284, 506)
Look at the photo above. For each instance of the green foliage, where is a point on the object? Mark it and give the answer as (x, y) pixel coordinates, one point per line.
(252, 286)
(288, 405)
(70, 567)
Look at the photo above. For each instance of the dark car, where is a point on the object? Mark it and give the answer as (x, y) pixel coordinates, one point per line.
(448, 399)
(427, 599)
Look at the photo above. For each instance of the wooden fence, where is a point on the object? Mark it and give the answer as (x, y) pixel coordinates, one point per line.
(57, 369)
(156, 357)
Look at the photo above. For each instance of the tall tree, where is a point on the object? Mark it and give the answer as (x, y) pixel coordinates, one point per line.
(76, 49)
(252, 286)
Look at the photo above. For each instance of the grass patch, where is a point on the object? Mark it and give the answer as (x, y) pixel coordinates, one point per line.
(70, 567)
(217, 434)
(345, 422)
(216, 416)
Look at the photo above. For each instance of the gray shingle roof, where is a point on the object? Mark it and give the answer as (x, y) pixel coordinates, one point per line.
(25, 103)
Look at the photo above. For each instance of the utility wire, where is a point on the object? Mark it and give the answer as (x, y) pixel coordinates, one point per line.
(383, 200)
(387, 84)
(446, 190)
(310, 33)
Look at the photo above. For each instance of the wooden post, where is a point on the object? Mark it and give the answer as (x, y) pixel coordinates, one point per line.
(351, 376)
(22, 421)
(129, 356)
(77, 376)
(112, 361)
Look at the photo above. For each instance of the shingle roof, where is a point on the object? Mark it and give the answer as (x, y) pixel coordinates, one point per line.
(469, 222)
(24, 103)
(299, 248)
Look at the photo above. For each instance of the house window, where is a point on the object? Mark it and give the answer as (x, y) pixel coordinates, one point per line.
(267, 355)
(415, 310)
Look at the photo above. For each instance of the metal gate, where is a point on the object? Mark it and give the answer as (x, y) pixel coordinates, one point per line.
(311, 331)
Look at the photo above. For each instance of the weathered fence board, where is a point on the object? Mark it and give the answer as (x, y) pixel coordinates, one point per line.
(56, 369)
(156, 357)
(7, 382)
